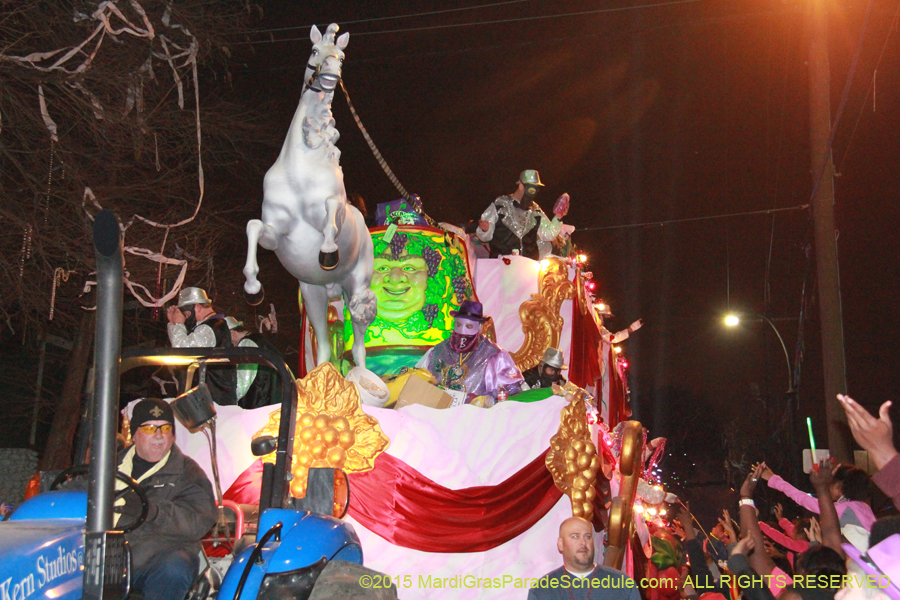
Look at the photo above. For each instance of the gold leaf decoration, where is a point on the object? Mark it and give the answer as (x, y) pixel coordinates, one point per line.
(331, 430)
(572, 458)
(540, 315)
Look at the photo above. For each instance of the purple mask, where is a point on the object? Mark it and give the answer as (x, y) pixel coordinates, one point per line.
(465, 335)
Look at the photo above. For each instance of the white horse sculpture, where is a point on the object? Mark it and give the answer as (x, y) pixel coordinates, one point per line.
(317, 235)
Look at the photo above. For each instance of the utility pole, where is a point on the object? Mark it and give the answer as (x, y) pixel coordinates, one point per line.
(834, 366)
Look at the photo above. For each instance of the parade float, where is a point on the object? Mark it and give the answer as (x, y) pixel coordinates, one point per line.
(467, 499)
(459, 502)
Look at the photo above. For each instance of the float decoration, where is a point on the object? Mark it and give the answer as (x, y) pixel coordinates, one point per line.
(621, 512)
(664, 568)
(318, 237)
(332, 430)
(540, 315)
(572, 458)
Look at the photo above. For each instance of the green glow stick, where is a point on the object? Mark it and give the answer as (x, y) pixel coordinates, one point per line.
(812, 444)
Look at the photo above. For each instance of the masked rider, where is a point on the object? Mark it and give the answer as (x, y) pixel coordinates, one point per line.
(515, 224)
(548, 372)
(195, 324)
(467, 361)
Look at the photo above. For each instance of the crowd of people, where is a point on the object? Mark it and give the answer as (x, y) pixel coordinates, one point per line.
(838, 549)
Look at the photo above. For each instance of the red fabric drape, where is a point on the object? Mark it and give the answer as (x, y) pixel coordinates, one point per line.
(246, 488)
(584, 368)
(618, 411)
(408, 509)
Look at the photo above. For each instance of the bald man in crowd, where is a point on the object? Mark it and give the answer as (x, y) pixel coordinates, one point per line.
(579, 577)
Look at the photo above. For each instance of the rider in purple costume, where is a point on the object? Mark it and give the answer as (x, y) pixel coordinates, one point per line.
(468, 361)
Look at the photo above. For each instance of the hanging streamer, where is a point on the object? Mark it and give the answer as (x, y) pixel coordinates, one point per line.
(112, 21)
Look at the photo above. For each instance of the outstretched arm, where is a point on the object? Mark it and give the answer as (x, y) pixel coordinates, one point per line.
(821, 480)
(777, 483)
(785, 540)
(759, 560)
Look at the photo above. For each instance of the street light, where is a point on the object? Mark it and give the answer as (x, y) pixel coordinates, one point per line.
(733, 320)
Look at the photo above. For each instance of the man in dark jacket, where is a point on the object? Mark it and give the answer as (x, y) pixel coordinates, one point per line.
(165, 547)
(195, 324)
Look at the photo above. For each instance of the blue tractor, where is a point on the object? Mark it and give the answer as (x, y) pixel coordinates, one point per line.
(61, 543)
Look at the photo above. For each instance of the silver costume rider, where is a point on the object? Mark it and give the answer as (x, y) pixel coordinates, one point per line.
(515, 224)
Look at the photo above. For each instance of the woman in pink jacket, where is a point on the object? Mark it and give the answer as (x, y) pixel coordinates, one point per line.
(849, 492)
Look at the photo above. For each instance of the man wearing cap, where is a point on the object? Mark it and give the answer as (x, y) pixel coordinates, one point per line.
(516, 224)
(194, 324)
(469, 362)
(256, 384)
(548, 372)
(165, 547)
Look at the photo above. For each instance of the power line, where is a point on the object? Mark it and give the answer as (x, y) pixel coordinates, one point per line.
(494, 22)
(375, 19)
(706, 218)
(544, 41)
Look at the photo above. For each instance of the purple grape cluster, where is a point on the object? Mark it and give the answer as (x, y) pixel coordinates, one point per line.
(460, 288)
(430, 311)
(398, 242)
(432, 259)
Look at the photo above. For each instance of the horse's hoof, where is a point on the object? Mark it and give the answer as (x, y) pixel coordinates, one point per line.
(255, 299)
(329, 260)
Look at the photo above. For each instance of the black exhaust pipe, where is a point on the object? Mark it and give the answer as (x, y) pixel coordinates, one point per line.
(107, 352)
(105, 552)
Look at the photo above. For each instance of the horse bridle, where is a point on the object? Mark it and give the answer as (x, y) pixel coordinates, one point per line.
(317, 70)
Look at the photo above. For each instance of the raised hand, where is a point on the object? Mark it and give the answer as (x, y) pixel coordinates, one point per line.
(814, 532)
(174, 315)
(749, 485)
(728, 525)
(745, 546)
(873, 435)
(822, 478)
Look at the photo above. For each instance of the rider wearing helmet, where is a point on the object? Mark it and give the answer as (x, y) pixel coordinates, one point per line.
(547, 373)
(515, 224)
(195, 324)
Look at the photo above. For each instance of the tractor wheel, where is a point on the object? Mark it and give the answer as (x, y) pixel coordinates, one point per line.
(340, 580)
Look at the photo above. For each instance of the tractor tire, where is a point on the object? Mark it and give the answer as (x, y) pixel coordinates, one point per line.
(340, 580)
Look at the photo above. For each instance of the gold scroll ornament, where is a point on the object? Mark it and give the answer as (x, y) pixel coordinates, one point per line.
(621, 513)
(332, 430)
(572, 458)
(540, 315)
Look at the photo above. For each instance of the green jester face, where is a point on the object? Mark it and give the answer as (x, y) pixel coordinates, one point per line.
(399, 286)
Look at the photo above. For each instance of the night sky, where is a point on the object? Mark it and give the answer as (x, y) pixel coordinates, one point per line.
(643, 113)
